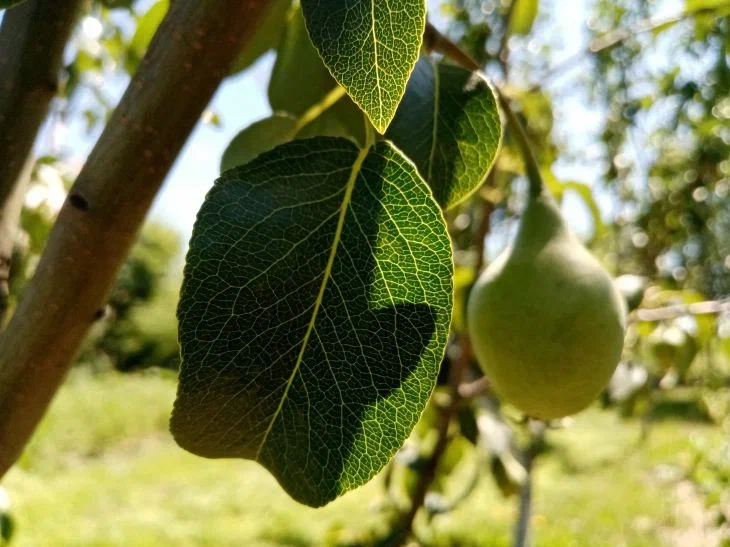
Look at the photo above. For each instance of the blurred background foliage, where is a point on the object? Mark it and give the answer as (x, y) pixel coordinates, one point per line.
(632, 131)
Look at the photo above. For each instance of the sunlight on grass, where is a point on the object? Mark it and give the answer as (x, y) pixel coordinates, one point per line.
(103, 471)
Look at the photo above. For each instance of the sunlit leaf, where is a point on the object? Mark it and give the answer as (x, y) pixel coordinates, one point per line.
(449, 125)
(524, 13)
(370, 47)
(314, 314)
(296, 56)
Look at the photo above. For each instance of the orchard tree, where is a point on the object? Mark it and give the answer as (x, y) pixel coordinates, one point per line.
(336, 269)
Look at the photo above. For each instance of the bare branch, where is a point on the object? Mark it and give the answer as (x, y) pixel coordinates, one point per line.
(189, 56)
(710, 307)
(616, 37)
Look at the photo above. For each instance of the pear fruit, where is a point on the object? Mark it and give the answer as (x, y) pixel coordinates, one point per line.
(545, 319)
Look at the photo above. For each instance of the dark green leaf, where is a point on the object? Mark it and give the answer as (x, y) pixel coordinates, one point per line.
(9, 3)
(296, 56)
(448, 124)
(314, 314)
(257, 138)
(370, 47)
(523, 16)
(266, 36)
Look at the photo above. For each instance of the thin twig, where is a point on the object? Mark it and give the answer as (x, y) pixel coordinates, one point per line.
(710, 307)
(522, 527)
(446, 416)
(616, 37)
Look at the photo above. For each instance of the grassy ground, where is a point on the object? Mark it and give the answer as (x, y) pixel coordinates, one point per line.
(103, 471)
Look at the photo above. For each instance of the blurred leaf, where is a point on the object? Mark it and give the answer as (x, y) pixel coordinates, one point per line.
(257, 138)
(266, 36)
(463, 278)
(314, 314)
(369, 47)
(449, 125)
(691, 6)
(558, 189)
(9, 3)
(147, 25)
(524, 13)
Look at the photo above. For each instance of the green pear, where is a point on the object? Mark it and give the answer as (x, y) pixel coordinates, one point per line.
(545, 319)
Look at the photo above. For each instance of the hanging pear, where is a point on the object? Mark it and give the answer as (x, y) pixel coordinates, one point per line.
(545, 320)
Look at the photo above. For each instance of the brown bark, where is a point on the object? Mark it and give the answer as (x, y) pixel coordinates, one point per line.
(32, 39)
(189, 56)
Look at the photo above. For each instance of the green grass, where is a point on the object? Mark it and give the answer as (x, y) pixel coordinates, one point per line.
(103, 471)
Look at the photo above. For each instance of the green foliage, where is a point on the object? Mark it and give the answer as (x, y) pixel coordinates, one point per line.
(369, 47)
(448, 125)
(354, 259)
(138, 331)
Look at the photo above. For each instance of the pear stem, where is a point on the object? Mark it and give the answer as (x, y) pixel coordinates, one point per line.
(435, 41)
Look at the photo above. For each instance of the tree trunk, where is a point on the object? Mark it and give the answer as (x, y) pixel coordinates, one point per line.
(32, 39)
(189, 56)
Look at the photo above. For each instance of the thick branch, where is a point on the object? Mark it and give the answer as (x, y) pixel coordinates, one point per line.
(32, 39)
(191, 53)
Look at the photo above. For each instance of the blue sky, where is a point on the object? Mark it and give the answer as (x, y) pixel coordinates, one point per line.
(242, 100)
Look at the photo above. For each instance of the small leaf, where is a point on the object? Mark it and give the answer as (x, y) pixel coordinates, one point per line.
(370, 47)
(296, 56)
(259, 137)
(314, 314)
(147, 26)
(523, 16)
(691, 6)
(266, 36)
(448, 124)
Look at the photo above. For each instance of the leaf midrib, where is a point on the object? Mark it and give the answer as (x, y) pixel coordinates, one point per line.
(357, 165)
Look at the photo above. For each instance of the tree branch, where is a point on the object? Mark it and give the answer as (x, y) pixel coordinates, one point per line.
(190, 55)
(710, 307)
(32, 40)
(615, 37)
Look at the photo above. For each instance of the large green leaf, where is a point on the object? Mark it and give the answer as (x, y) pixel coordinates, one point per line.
(314, 314)
(524, 13)
(266, 36)
(448, 123)
(296, 56)
(370, 46)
